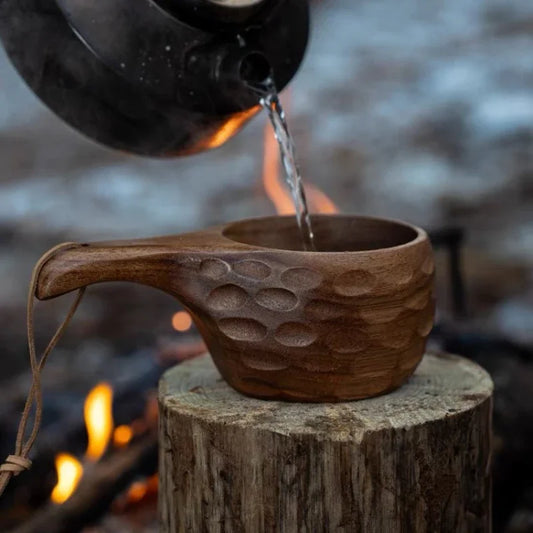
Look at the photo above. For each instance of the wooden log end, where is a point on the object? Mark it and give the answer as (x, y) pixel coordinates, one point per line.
(417, 459)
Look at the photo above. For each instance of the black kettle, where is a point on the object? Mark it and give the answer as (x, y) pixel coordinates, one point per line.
(154, 77)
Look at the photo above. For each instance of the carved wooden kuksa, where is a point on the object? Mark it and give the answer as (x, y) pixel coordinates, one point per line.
(349, 321)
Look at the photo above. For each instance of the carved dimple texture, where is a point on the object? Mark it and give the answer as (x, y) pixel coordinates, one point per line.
(405, 277)
(295, 335)
(380, 316)
(227, 298)
(428, 267)
(345, 341)
(426, 318)
(321, 365)
(425, 327)
(323, 310)
(398, 338)
(214, 268)
(243, 329)
(301, 278)
(266, 364)
(253, 269)
(418, 300)
(278, 320)
(276, 299)
(354, 283)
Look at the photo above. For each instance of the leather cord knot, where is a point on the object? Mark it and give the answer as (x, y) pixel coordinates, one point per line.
(19, 462)
(15, 464)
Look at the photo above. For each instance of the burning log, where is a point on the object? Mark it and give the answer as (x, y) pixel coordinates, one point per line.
(415, 460)
(97, 490)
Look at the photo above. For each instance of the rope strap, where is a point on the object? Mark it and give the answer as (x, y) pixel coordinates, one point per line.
(15, 464)
(19, 461)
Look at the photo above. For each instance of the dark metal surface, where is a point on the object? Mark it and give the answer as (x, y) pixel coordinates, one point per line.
(215, 13)
(135, 77)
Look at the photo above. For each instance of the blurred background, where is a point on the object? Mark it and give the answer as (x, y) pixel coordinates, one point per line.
(415, 110)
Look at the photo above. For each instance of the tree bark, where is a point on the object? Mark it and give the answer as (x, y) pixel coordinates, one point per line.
(416, 460)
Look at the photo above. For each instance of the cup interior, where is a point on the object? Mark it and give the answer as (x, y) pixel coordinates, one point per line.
(333, 233)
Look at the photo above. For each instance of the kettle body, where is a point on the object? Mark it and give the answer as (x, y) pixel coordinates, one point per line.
(156, 78)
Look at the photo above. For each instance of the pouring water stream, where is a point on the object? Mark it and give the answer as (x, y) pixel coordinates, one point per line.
(272, 105)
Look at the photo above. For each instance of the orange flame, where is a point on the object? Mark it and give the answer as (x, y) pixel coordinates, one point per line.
(99, 420)
(229, 128)
(98, 416)
(69, 472)
(320, 202)
(276, 190)
(182, 321)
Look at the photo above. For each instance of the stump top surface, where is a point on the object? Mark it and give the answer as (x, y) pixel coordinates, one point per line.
(444, 385)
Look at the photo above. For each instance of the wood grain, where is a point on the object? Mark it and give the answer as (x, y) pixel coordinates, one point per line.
(350, 321)
(414, 461)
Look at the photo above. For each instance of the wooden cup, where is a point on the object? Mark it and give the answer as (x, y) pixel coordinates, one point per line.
(347, 322)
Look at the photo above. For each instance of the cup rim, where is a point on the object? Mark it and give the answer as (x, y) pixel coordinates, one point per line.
(420, 235)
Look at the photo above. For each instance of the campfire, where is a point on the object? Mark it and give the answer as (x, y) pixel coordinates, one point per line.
(98, 416)
(114, 475)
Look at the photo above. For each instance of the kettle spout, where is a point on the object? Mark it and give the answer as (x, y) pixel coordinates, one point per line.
(147, 262)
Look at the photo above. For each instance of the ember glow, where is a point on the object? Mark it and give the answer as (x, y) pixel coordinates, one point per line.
(137, 491)
(182, 321)
(122, 436)
(98, 414)
(69, 472)
(141, 489)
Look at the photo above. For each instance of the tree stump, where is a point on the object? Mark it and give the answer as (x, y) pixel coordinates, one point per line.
(416, 460)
